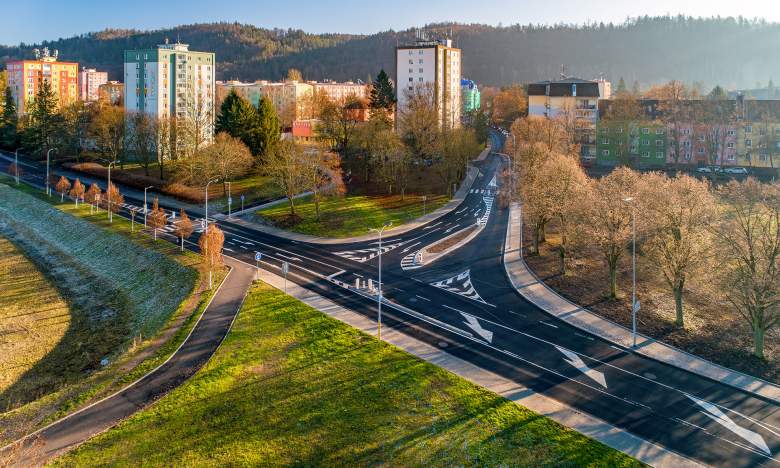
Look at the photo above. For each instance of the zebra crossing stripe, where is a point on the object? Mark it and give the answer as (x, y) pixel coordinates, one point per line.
(464, 288)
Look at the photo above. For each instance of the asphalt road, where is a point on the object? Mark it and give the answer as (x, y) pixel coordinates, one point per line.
(464, 301)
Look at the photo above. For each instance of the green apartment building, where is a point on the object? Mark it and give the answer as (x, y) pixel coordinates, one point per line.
(640, 144)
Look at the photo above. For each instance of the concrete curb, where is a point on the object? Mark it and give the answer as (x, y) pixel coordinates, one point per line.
(618, 439)
(537, 292)
(450, 249)
(457, 199)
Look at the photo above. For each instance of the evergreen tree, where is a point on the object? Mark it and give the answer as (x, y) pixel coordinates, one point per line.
(9, 123)
(621, 87)
(269, 130)
(635, 89)
(45, 123)
(382, 94)
(717, 94)
(239, 119)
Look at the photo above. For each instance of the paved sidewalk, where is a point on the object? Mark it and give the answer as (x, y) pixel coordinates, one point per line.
(204, 339)
(645, 451)
(460, 195)
(537, 292)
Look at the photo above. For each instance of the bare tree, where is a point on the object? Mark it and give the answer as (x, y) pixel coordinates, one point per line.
(323, 176)
(133, 212)
(564, 184)
(77, 191)
(93, 195)
(750, 243)
(623, 117)
(156, 218)
(210, 244)
(458, 145)
(114, 199)
(678, 240)
(63, 185)
(226, 159)
(142, 139)
(286, 166)
(108, 130)
(184, 228)
(419, 124)
(608, 218)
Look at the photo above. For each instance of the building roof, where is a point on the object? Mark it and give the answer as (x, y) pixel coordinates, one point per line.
(565, 87)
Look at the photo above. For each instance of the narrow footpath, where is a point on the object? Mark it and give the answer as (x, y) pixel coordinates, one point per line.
(194, 352)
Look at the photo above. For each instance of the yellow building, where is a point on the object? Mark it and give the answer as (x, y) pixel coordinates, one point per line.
(25, 78)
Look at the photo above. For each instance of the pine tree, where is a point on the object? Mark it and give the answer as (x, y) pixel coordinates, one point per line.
(9, 123)
(45, 122)
(382, 94)
(238, 118)
(269, 128)
(635, 89)
(621, 87)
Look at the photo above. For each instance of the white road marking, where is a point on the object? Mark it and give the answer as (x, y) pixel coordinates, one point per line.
(714, 413)
(295, 259)
(461, 287)
(410, 247)
(579, 364)
(433, 225)
(548, 324)
(229, 250)
(473, 323)
(423, 298)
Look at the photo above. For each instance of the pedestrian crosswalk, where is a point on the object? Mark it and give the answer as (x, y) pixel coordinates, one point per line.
(486, 215)
(482, 191)
(364, 255)
(170, 219)
(460, 284)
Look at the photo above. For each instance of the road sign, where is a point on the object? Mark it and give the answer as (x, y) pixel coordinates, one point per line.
(636, 307)
(258, 256)
(285, 268)
(242, 198)
(203, 223)
(230, 199)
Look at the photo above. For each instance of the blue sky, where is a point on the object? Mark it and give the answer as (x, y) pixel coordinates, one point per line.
(35, 20)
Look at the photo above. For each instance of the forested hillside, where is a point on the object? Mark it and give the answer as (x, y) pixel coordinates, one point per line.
(727, 51)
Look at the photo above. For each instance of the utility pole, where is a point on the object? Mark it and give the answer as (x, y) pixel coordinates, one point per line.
(16, 165)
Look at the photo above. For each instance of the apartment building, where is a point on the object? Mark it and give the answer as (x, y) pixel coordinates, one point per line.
(113, 92)
(575, 99)
(90, 81)
(171, 81)
(249, 91)
(338, 92)
(470, 96)
(435, 64)
(25, 77)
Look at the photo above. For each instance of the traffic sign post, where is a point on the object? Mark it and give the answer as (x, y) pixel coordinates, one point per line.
(425, 199)
(242, 202)
(230, 202)
(258, 257)
(285, 269)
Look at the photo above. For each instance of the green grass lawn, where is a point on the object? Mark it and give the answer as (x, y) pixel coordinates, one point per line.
(164, 286)
(292, 386)
(351, 215)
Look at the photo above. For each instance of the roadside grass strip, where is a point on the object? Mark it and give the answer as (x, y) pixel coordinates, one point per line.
(292, 386)
(350, 215)
(116, 289)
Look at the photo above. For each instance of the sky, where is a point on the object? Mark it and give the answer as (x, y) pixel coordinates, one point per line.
(31, 21)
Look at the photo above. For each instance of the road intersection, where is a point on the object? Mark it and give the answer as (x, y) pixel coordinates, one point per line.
(464, 301)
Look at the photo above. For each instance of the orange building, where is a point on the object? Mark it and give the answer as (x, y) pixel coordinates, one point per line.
(25, 77)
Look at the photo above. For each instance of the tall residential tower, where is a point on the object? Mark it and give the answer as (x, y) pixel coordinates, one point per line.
(25, 77)
(171, 81)
(435, 64)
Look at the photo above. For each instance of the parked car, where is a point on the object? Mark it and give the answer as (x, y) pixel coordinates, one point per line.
(704, 170)
(736, 170)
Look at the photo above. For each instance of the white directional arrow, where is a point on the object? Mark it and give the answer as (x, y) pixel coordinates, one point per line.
(714, 413)
(578, 364)
(473, 323)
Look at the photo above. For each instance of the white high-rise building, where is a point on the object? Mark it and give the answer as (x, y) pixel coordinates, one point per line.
(172, 81)
(431, 63)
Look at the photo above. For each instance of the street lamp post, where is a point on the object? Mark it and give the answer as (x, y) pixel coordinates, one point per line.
(379, 291)
(108, 190)
(16, 165)
(634, 302)
(48, 188)
(145, 205)
(207, 200)
(230, 199)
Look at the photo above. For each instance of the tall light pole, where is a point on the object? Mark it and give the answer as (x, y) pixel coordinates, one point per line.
(634, 303)
(16, 165)
(108, 190)
(230, 199)
(48, 153)
(379, 292)
(145, 205)
(207, 200)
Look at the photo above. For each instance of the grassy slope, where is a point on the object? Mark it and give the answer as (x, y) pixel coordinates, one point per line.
(144, 354)
(291, 386)
(351, 215)
(33, 315)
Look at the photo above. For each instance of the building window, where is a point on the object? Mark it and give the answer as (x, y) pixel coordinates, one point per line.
(659, 142)
(411, 62)
(732, 133)
(646, 142)
(645, 154)
(659, 154)
(749, 143)
(411, 70)
(605, 152)
(421, 70)
(411, 79)
(730, 145)
(659, 131)
(701, 150)
(421, 79)
(605, 141)
(421, 61)
(645, 131)
(748, 129)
